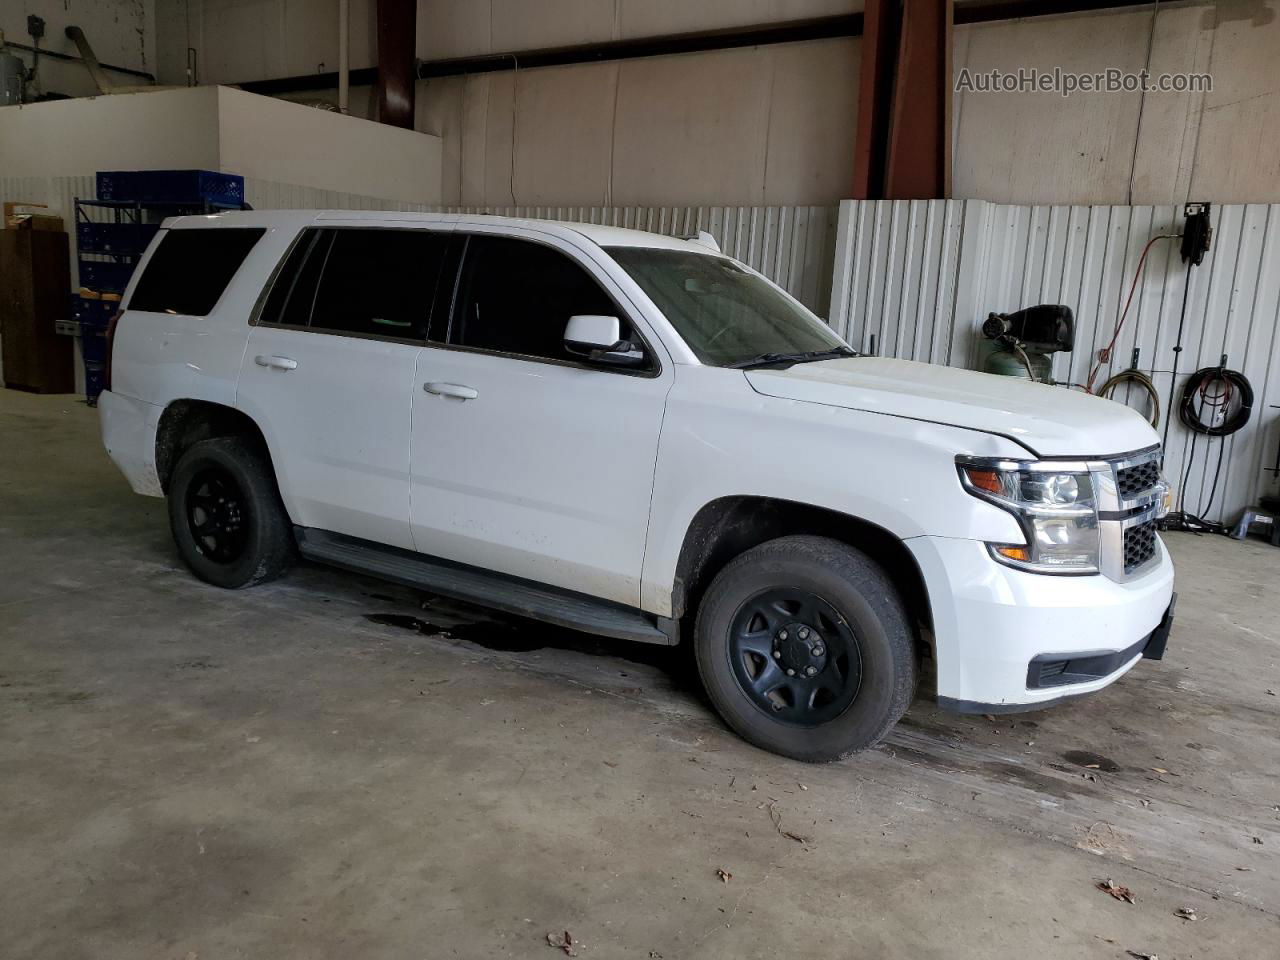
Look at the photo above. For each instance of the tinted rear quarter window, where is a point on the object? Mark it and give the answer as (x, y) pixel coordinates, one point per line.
(190, 269)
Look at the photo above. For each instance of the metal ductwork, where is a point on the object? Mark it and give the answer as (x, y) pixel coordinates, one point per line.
(96, 71)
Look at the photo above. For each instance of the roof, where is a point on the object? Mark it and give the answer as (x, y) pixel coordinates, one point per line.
(604, 236)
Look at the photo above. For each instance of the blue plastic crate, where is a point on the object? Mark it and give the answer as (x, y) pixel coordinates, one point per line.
(114, 238)
(93, 344)
(172, 186)
(95, 380)
(93, 348)
(105, 276)
(96, 314)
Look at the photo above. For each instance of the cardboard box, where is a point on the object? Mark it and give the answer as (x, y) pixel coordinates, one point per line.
(30, 221)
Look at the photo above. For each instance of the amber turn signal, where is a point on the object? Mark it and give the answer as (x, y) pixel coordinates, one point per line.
(1015, 553)
(988, 480)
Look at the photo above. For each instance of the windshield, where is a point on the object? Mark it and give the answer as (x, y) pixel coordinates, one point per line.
(727, 315)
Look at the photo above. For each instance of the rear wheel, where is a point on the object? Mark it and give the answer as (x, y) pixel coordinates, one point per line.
(804, 648)
(226, 516)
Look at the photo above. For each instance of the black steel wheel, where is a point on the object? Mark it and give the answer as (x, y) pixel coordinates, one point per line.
(804, 647)
(225, 513)
(795, 656)
(217, 514)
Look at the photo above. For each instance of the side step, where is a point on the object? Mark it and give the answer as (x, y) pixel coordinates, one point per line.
(512, 595)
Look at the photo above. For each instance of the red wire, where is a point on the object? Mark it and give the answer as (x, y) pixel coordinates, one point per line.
(1104, 355)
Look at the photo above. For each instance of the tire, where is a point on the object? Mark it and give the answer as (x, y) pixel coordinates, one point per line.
(748, 633)
(226, 516)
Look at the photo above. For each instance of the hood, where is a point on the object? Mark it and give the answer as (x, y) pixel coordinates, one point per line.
(1050, 421)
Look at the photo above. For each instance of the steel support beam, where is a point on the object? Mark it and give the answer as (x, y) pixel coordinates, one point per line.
(819, 28)
(903, 148)
(397, 37)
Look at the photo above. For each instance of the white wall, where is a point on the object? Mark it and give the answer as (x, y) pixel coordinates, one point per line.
(776, 124)
(761, 125)
(163, 130)
(771, 125)
(268, 139)
(1129, 147)
(121, 32)
(216, 128)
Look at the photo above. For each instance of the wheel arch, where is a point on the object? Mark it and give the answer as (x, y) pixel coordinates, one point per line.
(188, 421)
(728, 526)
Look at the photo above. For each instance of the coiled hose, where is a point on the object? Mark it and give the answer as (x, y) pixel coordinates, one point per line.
(1196, 397)
(1142, 380)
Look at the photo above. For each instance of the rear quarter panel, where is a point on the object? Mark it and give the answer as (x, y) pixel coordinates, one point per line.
(159, 357)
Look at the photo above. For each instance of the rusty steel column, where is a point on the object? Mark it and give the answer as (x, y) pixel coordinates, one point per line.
(397, 69)
(881, 23)
(903, 149)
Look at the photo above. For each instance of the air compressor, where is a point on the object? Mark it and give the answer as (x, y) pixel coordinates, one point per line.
(1028, 339)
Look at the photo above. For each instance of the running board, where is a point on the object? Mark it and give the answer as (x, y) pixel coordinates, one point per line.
(524, 598)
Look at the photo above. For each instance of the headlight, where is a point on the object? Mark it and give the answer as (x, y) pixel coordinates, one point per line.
(1057, 511)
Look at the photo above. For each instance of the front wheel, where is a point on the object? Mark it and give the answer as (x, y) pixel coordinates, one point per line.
(804, 648)
(226, 516)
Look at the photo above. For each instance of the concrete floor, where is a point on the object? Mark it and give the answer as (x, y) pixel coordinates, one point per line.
(187, 772)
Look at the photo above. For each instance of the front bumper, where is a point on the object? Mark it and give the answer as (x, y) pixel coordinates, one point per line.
(996, 629)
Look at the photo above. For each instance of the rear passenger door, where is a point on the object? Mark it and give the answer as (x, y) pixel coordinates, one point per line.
(329, 372)
(528, 460)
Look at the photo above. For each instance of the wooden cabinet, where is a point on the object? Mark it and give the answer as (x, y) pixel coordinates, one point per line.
(35, 284)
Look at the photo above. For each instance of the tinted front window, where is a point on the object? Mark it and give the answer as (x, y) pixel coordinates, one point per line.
(724, 313)
(517, 297)
(190, 268)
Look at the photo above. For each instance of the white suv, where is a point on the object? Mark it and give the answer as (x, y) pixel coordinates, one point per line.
(639, 437)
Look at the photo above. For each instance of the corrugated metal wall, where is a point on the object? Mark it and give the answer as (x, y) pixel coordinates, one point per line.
(915, 279)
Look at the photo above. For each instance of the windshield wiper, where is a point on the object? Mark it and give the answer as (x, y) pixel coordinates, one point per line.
(770, 359)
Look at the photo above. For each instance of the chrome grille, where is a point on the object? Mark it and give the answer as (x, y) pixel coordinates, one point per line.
(1132, 482)
(1130, 494)
(1139, 545)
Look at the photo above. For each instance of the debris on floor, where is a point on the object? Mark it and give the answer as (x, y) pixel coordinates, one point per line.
(776, 817)
(1117, 891)
(1102, 838)
(1142, 956)
(563, 941)
(724, 874)
(1186, 913)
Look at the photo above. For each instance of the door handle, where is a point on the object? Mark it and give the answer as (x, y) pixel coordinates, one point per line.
(276, 363)
(455, 390)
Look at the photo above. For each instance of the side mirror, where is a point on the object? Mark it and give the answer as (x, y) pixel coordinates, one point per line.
(599, 339)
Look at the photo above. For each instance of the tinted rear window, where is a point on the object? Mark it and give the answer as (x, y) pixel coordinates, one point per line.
(368, 281)
(190, 269)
